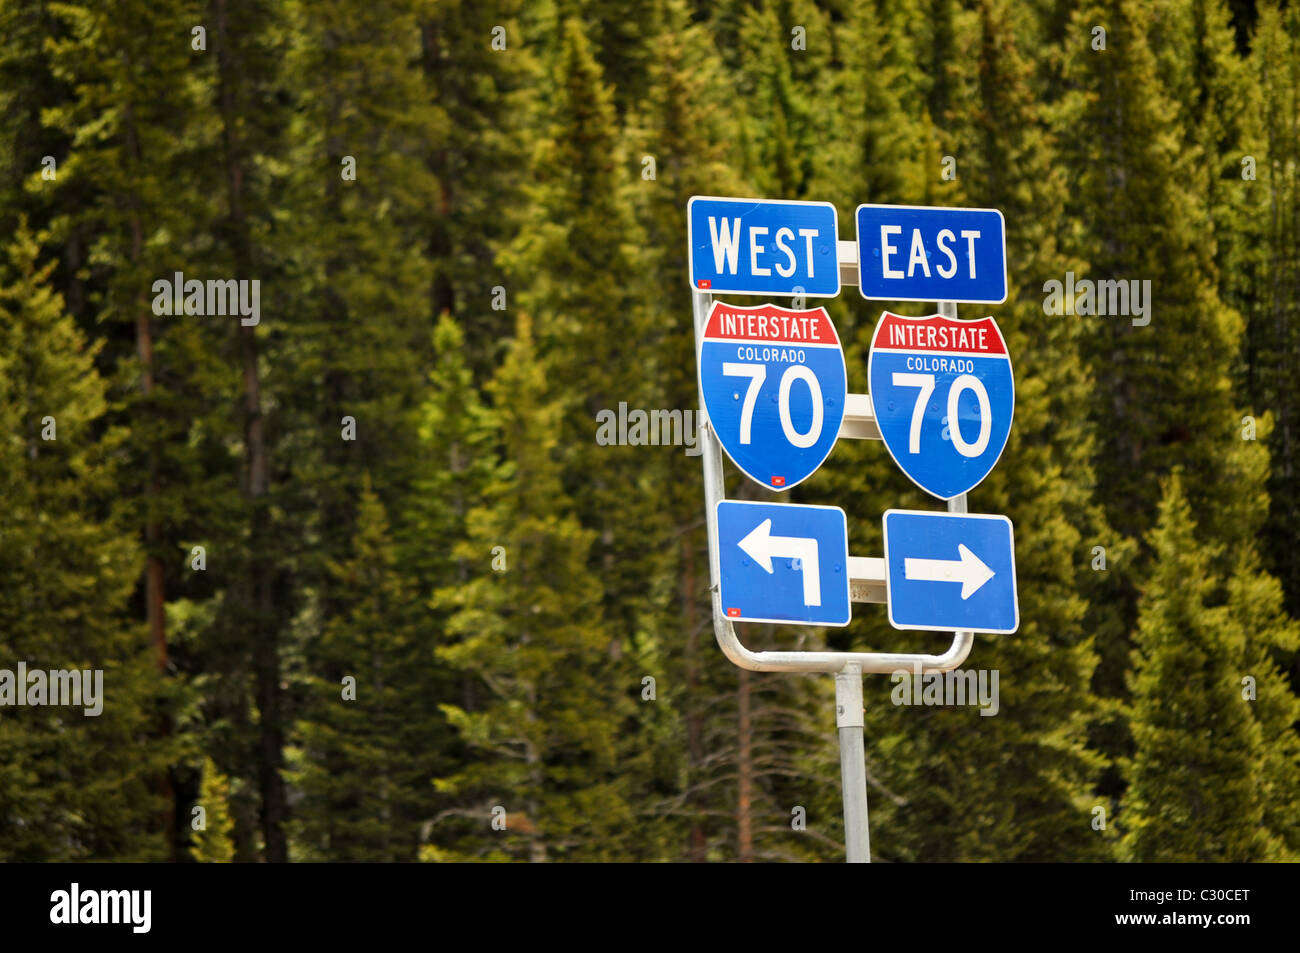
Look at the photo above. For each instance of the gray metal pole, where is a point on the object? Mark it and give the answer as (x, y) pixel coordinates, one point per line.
(853, 763)
(958, 503)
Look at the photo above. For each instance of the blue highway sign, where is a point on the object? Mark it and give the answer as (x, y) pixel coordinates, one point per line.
(920, 253)
(762, 247)
(943, 396)
(948, 571)
(773, 382)
(783, 562)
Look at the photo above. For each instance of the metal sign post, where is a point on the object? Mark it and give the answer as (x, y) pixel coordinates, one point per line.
(788, 563)
(853, 763)
(867, 584)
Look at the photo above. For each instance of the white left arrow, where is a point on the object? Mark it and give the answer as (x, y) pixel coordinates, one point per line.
(761, 546)
(969, 570)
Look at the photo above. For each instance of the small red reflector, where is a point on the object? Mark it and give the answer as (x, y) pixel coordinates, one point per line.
(733, 613)
(778, 481)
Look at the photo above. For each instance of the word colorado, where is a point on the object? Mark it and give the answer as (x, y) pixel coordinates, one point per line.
(216, 297)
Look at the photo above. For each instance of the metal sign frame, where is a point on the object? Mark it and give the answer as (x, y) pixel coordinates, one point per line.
(867, 584)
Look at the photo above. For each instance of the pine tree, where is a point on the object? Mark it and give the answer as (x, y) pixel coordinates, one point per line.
(1270, 637)
(1197, 790)
(1271, 349)
(1221, 106)
(1166, 385)
(488, 96)
(364, 194)
(32, 154)
(73, 786)
(1255, 603)
(372, 734)
(457, 462)
(547, 728)
(139, 153)
(623, 33)
(941, 30)
(1166, 395)
(212, 842)
(244, 72)
(782, 127)
(584, 236)
(355, 336)
(873, 148)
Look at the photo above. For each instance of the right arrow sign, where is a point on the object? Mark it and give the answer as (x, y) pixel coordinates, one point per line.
(948, 571)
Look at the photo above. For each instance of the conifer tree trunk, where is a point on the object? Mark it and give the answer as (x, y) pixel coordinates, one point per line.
(256, 483)
(155, 579)
(155, 585)
(537, 780)
(441, 294)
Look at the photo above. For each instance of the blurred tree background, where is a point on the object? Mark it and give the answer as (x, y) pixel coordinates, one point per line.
(433, 618)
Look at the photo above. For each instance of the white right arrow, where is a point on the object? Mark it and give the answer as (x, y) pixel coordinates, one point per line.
(969, 570)
(760, 545)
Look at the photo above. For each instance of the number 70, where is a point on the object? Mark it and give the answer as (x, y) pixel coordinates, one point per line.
(757, 373)
(965, 382)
